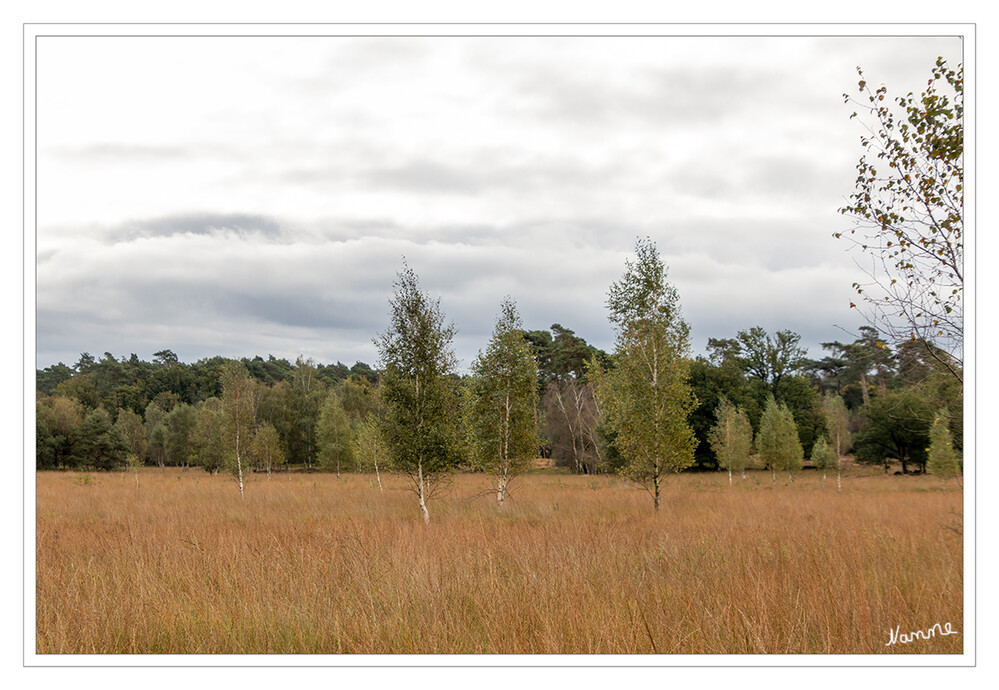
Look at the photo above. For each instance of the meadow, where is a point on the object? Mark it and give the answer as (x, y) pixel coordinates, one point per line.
(312, 564)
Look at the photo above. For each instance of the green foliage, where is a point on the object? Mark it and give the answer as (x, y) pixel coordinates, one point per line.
(646, 396)
(334, 435)
(504, 400)
(712, 380)
(208, 438)
(369, 447)
(180, 425)
(895, 426)
(131, 427)
(239, 407)
(767, 358)
(824, 455)
(265, 449)
(48, 378)
(57, 420)
(908, 206)
(732, 437)
(99, 443)
(777, 439)
(422, 425)
(942, 460)
(837, 419)
(307, 396)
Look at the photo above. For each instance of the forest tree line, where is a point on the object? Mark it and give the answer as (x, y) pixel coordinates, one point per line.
(100, 412)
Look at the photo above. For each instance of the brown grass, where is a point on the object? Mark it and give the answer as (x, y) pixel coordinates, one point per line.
(310, 564)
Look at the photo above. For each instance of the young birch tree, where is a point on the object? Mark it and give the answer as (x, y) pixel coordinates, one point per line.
(941, 458)
(504, 402)
(368, 445)
(238, 414)
(838, 425)
(333, 435)
(777, 440)
(646, 395)
(824, 456)
(422, 425)
(266, 448)
(731, 438)
(132, 429)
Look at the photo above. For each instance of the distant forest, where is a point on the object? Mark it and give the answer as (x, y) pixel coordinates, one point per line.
(99, 412)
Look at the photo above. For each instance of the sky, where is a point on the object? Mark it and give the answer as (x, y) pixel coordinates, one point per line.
(245, 196)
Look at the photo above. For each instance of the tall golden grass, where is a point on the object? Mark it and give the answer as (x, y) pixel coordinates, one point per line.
(573, 564)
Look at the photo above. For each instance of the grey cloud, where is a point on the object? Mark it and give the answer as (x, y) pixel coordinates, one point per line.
(699, 96)
(196, 224)
(104, 153)
(483, 171)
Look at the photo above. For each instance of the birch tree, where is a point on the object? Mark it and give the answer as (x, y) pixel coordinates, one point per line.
(941, 457)
(838, 424)
(777, 440)
(824, 456)
(208, 440)
(646, 395)
(731, 438)
(908, 212)
(422, 425)
(238, 413)
(132, 429)
(571, 416)
(369, 448)
(504, 402)
(334, 435)
(266, 448)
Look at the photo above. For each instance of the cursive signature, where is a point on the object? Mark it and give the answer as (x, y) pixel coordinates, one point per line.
(907, 637)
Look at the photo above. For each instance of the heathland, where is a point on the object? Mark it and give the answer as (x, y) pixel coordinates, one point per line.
(572, 564)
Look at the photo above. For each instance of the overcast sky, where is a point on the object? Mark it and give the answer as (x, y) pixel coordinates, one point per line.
(254, 196)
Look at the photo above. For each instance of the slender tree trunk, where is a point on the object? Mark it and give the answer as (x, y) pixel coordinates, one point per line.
(656, 495)
(239, 466)
(501, 490)
(863, 388)
(743, 474)
(422, 489)
(378, 476)
(730, 476)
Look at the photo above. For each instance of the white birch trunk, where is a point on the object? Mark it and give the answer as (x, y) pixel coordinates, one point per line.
(730, 477)
(422, 489)
(501, 490)
(239, 466)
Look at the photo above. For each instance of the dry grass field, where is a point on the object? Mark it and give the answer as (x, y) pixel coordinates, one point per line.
(312, 564)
